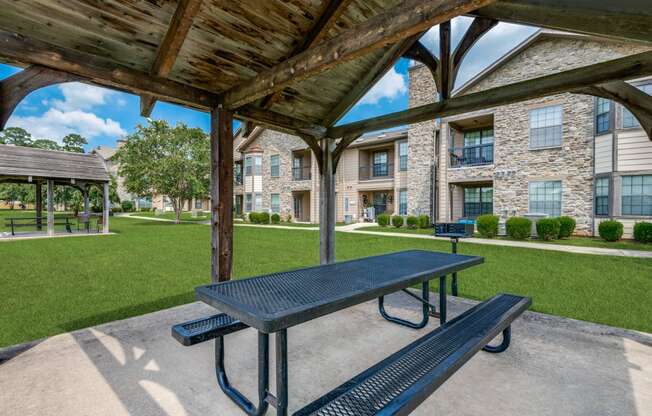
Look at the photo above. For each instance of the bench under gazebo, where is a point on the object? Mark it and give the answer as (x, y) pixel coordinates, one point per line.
(26, 165)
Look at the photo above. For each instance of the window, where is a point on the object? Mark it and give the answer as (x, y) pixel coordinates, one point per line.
(403, 155)
(637, 195)
(274, 163)
(248, 165)
(258, 201)
(402, 202)
(478, 137)
(258, 165)
(380, 164)
(276, 203)
(199, 204)
(629, 121)
(237, 173)
(602, 196)
(545, 198)
(545, 127)
(346, 204)
(248, 203)
(478, 147)
(478, 201)
(602, 115)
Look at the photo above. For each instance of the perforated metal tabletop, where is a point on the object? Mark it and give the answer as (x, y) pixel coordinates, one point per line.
(281, 300)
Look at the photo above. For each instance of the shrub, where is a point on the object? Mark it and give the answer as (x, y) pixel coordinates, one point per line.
(412, 221)
(289, 218)
(567, 226)
(253, 218)
(383, 220)
(519, 228)
(397, 221)
(276, 219)
(548, 228)
(610, 230)
(116, 209)
(145, 209)
(263, 217)
(643, 232)
(487, 225)
(127, 206)
(424, 221)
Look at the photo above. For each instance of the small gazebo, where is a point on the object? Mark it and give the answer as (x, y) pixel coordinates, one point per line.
(50, 167)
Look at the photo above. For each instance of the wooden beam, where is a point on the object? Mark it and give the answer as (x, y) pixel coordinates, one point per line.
(221, 195)
(380, 68)
(479, 27)
(50, 198)
(636, 101)
(629, 67)
(100, 71)
(38, 196)
(327, 204)
(277, 121)
(629, 20)
(168, 50)
(420, 53)
(407, 19)
(18, 86)
(445, 60)
(106, 210)
(341, 146)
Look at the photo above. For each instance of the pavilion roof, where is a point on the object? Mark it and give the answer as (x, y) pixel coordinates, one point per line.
(20, 163)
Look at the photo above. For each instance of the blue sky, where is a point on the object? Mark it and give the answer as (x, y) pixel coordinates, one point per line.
(103, 116)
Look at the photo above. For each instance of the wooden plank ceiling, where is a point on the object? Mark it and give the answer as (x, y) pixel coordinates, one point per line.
(228, 43)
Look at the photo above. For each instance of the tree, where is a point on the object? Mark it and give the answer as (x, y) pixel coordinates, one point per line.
(74, 143)
(45, 144)
(12, 192)
(96, 195)
(164, 160)
(16, 136)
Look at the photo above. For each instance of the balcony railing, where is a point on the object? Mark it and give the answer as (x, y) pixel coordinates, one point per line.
(376, 171)
(478, 155)
(237, 179)
(301, 173)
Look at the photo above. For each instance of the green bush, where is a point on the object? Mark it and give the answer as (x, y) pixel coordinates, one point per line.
(487, 225)
(424, 221)
(145, 209)
(643, 232)
(383, 220)
(412, 221)
(254, 218)
(263, 218)
(127, 206)
(116, 209)
(289, 218)
(276, 219)
(611, 230)
(548, 229)
(519, 228)
(567, 226)
(397, 221)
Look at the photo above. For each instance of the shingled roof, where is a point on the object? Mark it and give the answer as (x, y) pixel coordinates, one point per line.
(17, 162)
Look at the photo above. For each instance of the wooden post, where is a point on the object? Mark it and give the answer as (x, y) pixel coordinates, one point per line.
(50, 207)
(106, 208)
(86, 201)
(39, 206)
(327, 203)
(221, 194)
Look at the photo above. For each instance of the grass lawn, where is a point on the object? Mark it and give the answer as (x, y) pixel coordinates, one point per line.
(185, 216)
(573, 241)
(55, 285)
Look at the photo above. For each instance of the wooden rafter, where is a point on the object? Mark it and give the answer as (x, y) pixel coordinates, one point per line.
(341, 146)
(18, 86)
(479, 27)
(629, 67)
(635, 100)
(277, 121)
(445, 60)
(390, 27)
(418, 52)
(169, 49)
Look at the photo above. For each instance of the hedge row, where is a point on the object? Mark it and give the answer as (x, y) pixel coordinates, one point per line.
(422, 221)
(520, 228)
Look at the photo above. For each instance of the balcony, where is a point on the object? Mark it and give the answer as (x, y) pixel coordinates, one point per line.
(376, 171)
(478, 155)
(301, 173)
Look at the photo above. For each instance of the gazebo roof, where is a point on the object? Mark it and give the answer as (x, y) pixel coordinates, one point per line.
(20, 163)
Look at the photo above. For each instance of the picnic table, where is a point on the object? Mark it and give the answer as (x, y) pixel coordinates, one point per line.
(275, 302)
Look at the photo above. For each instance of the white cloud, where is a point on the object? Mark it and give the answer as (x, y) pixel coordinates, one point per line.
(77, 96)
(390, 86)
(55, 124)
(72, 114)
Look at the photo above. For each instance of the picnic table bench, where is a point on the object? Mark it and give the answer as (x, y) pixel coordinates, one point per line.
(36, 222)
(396, 385)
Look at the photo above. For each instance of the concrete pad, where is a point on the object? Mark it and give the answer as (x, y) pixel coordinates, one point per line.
(555, 366)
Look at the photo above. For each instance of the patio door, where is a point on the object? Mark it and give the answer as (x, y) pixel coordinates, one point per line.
(298, 208)
(380, 202)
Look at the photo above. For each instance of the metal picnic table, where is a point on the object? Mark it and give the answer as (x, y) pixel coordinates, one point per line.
(275, 302)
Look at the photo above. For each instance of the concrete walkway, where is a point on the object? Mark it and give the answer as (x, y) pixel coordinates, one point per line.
(555, 366)
(356, 229)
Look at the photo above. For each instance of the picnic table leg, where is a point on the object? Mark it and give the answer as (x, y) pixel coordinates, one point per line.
(425, 307)
(282, 372)
(442, 299)
(507, 337)
(263, 377)
(454, 281)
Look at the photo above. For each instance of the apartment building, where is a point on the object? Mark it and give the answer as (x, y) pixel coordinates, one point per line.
(567, 154)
